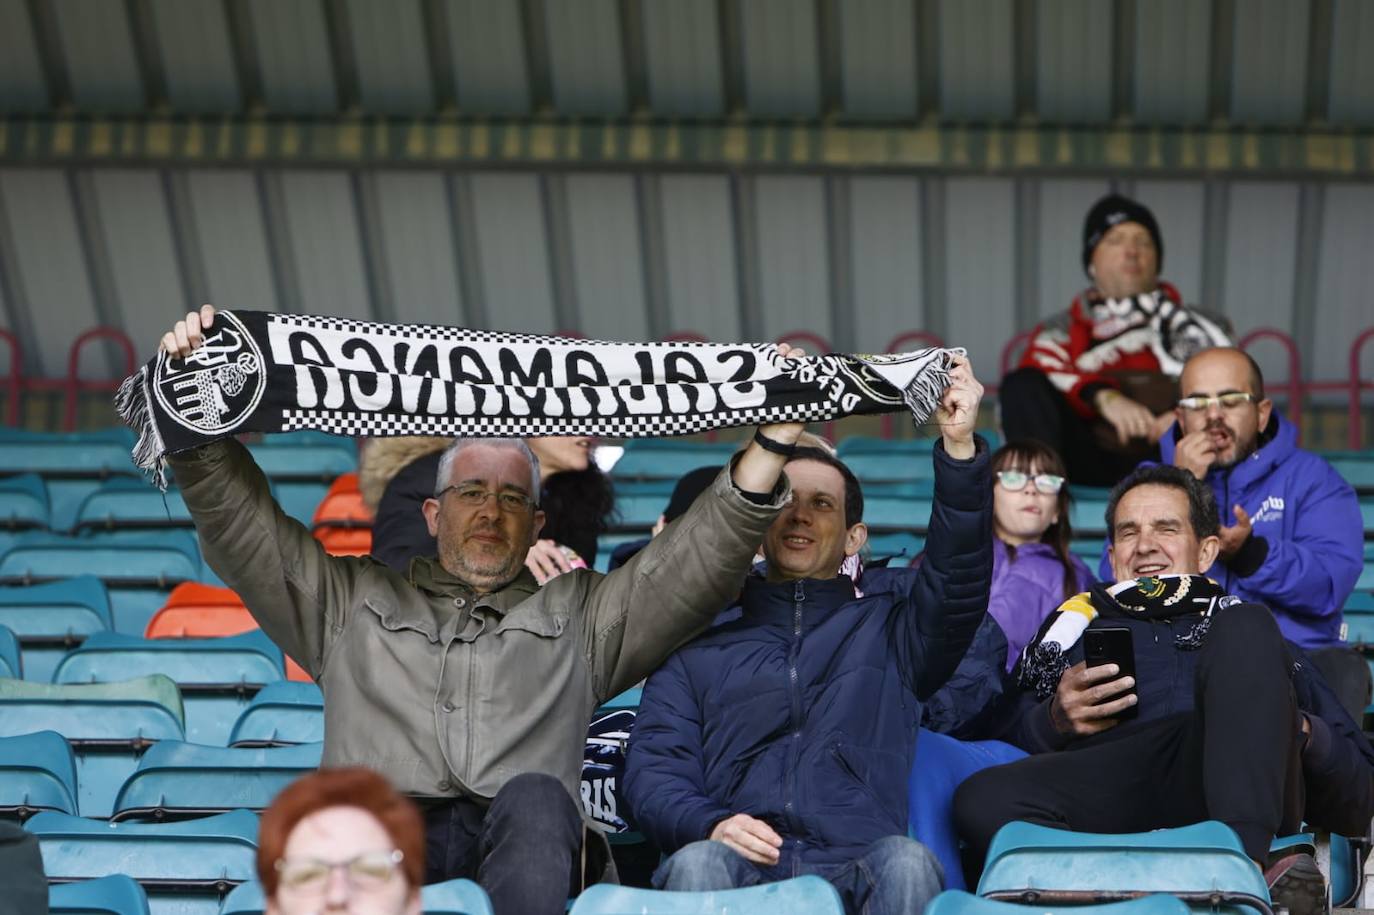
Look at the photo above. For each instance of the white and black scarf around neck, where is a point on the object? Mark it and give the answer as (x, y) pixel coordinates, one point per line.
(1173, 332)
(265, 372)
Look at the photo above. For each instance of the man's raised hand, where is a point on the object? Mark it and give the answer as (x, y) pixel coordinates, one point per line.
(957, 414)
(189, 332)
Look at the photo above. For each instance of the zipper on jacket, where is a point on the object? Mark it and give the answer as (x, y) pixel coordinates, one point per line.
(794, 696)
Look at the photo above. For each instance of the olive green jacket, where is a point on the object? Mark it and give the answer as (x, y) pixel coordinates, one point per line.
(445, 692)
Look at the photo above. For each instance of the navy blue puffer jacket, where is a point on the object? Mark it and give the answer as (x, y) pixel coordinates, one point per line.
(800, 706)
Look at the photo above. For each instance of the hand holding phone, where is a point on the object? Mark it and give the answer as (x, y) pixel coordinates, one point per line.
(1112, 645)
(1091, 699)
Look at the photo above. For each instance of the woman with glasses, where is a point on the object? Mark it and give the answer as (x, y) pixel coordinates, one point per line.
(341, 840)
(1033, 571)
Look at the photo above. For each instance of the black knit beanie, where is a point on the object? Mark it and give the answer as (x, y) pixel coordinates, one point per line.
(1113, 210)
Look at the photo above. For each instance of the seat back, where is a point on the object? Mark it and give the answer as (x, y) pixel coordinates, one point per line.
(116, 894)
(127, 504)
(176, 780)
(71, 464)
(668, 459)
(452, 897)
(958, 902)
(342, 523)
(37, 773)
(10, 664)
(23, 502)
(876, 460)
(51, 618)
(217, 677)
(799, 896)
(1191, 862)
(196, 610)
(279, 715)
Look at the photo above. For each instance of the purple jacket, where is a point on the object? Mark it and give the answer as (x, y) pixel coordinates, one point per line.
(1027, 589)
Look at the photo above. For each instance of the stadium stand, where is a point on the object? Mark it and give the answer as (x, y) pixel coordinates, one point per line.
(342, 522)
(666, 459)
(125, 505)
(217, 677)
(72, 465)
(107, 725)
(196, 610)
(798, 896)
(10, 664)
(177, 781)
(23, 506)
(301, 466)
(37, 773)
(116, 894)
(957, 902)
(281, 715)
(50, 619)
(187, 867)
(452, 897)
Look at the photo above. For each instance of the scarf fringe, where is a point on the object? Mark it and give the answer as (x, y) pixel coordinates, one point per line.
(131, 403)
(922, 394)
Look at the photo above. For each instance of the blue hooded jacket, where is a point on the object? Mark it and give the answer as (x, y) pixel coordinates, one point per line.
(1307, 548)
(801, 706)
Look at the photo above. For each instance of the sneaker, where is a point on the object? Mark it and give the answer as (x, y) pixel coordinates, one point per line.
(1296, 883)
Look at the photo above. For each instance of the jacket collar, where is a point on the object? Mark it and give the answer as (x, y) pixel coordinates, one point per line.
(774, 603)
(429, 576)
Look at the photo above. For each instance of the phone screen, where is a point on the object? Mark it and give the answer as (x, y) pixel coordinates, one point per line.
(1112, 645)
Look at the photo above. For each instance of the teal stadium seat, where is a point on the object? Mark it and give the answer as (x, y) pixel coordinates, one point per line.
(878, 460)
(799, 896)
(301, 465)
(186, 867)
(668, 459)
(1199, 863)
(23, 503)
(1359, 631)
(637, 512)
(1356, 467)
(899, 548)
(177, 780)
(281, 714)
(126, 504)
(452, 897)
(957, 902)
(113, 895)
(107, 725)
(72, 464)
(217, 677)
(37, 773)
(139, 573)
(902, 514)
(1088, 516)
(1360, 602)
(52, 618)
(10, 663)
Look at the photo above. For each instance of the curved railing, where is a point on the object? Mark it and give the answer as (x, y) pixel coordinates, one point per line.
(1293, 386)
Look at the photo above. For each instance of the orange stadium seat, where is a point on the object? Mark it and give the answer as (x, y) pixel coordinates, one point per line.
(197, 611)
(342, 522)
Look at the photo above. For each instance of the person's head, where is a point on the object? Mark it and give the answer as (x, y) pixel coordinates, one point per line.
(341, 840)
(688, 487)
(1161, 520)
(558, 453)
(1122, 247)
(1031, 501)
(1223, 395)
(821, 525)
(485, 510)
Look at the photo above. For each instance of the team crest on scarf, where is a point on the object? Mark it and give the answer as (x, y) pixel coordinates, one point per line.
(217, 387)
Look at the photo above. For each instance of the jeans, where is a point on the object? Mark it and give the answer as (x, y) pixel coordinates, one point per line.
(525, 849)
(895, 876)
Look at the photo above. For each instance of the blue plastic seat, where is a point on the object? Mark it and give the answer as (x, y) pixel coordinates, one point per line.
(139, 573)
(114, 895)
(798, 896)
(958, 902)
(51, 618)
(880, 461)
(23, 502)
(453, 897)
(1360, 602)
(177, 780)
(37, 773)
(131, 504)
(217, 677)
(281, 714)
(1191, 862)
(10, 664)
(1088, 516)
(187, 866)
(668, 459)
(108, 725)
(638, 512)
(71, 464)
(1359, 631)
(898, 547)
(906, 514)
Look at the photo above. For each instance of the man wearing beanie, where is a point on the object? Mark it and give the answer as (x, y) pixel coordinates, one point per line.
(1098, 382)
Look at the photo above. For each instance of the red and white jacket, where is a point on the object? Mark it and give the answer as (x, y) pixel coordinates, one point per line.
(1082, 348)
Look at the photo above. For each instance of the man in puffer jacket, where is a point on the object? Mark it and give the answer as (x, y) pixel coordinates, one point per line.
(779, 743)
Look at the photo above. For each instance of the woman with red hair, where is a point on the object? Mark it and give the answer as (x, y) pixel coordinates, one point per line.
(341, 840)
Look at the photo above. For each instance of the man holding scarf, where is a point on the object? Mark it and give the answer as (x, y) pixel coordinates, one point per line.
(1231, 721)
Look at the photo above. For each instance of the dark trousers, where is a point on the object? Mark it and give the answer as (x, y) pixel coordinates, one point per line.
(1034, 409)
(525, 849)
(1345, 671)
(1235, 758)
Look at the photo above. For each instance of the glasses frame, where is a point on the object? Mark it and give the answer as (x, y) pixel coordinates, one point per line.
(394, 857)
(1200, 403)
(1034, 478)
(526, 503)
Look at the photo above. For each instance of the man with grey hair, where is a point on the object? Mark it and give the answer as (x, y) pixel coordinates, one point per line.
(463, 681)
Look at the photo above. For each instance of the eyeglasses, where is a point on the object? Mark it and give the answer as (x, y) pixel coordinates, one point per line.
(1016, 480)
(474, 496)
(369, 870)
(1228, 401)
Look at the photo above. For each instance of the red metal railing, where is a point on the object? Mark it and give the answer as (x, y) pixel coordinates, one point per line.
(1293, 385)
(14, 381)
(75, 385)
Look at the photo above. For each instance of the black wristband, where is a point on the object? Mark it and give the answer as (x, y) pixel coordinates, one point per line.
(767, 444)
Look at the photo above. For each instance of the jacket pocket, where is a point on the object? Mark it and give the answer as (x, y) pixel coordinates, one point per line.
(535, 622)
(391, 618)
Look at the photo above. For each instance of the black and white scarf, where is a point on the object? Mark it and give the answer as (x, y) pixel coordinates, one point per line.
(263, 372)
(1157, 320)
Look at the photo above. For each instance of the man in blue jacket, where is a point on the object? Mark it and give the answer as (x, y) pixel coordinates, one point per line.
(1297, 541)
(779, 742)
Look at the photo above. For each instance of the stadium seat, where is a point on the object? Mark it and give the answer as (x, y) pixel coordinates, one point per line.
(301, 465)
(126, 504)
(176, 780)
(898, 514)
(1196, 863)
(217, 677)
(453, 897)
(798, 896)
(37, 773)
(1356, 467)
(957, 902)
(108, 725)
(113, 895)
(71, 464)
(138, 572)
(899, 548)
(280, 715)
(1088, 514)
(342, 522)
(23, 503)
(638, 512)
(10, 664)
(199, 611)
(877, 460)
(668, 459)
(1360, 602)
(187, 867)
(1359, 631)
(51, 618)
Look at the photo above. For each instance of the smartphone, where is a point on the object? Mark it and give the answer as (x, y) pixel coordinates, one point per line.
(1112, 645)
